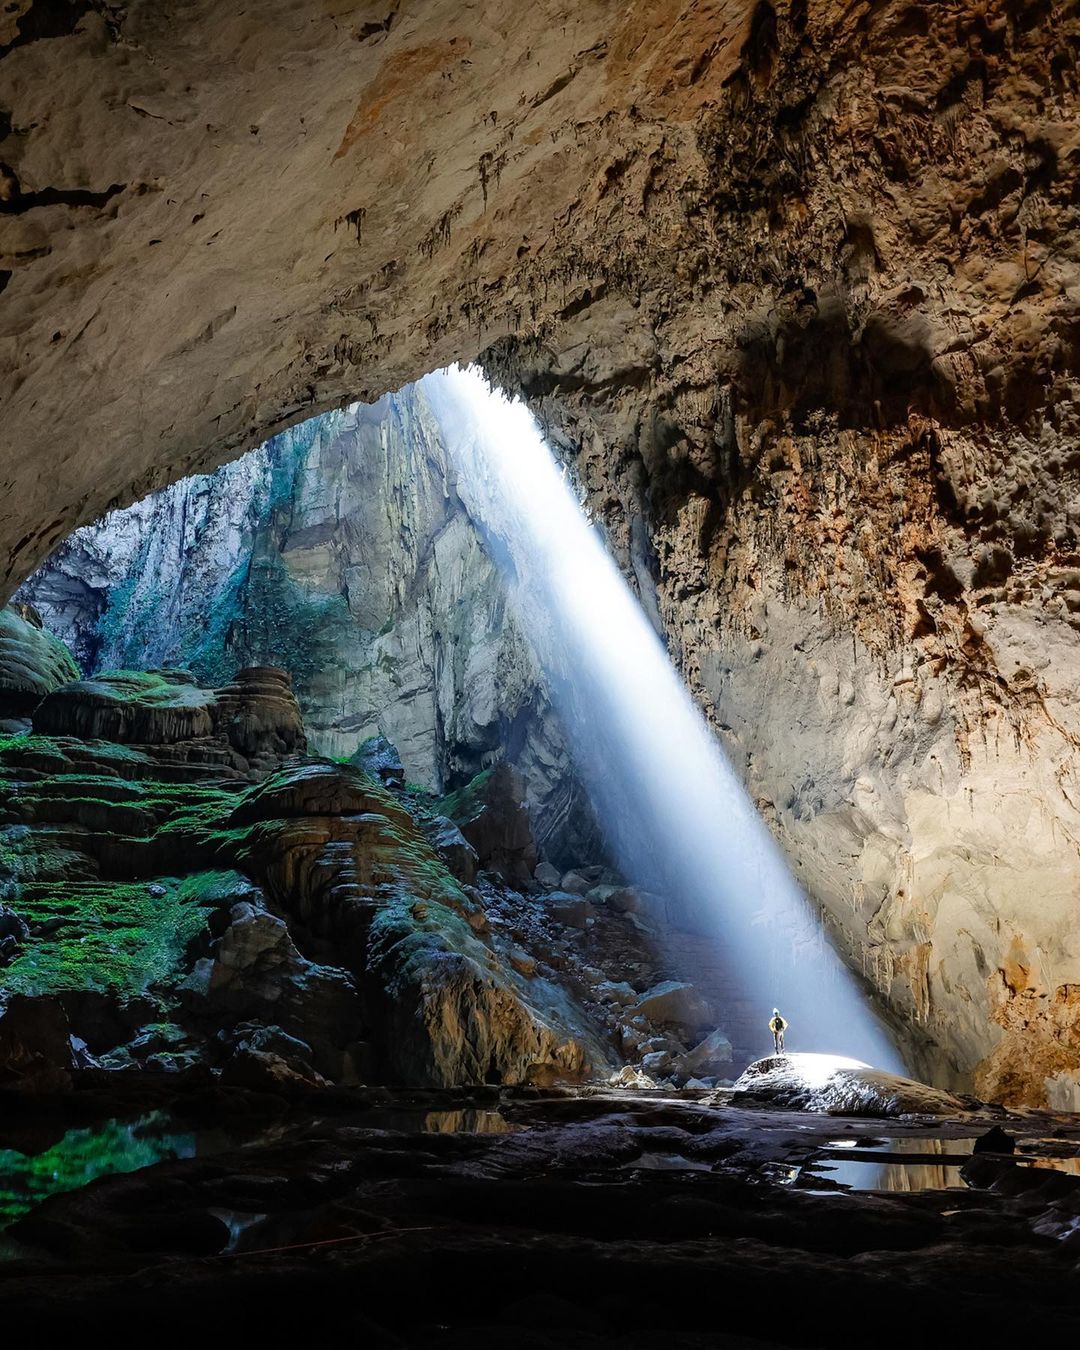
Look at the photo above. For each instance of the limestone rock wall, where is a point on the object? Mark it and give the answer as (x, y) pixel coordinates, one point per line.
(800, 277)
(844, 462)
(340, 551)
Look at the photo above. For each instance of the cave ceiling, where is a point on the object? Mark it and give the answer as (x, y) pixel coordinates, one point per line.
(218, 218)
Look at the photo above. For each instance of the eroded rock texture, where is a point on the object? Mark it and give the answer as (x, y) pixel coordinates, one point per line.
(844, 457)
(801, 278)
(342, 552)
(196, 892)
(222, 219)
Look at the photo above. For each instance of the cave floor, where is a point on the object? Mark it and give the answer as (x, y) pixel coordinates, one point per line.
(588, 1218)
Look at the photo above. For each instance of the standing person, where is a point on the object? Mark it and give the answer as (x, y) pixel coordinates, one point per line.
(777, 1025)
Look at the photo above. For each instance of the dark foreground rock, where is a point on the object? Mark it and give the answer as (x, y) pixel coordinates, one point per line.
(604, 1220)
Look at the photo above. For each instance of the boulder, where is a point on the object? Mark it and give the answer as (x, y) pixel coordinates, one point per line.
(838, 1086)
(452, 846)
(13, 933)
(600, 895)
(616, 992)
(572, 910)
(381, 761)
(674, 1003)
(263, 1071)
(490, 811)
(658, 1063)
(255, 973)
(626, 900)
(630, 1077)
(709, 1055)
(522, 962)
(446, 1013)
(575, 883)
(547, 875)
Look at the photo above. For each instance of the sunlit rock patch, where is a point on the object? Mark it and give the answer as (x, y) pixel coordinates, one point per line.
(839, 1086)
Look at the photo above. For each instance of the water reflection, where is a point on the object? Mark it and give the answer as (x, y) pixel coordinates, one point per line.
(923, 1165)
(81, 1155)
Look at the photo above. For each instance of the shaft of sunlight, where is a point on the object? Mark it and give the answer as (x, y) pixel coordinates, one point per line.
(677, 818)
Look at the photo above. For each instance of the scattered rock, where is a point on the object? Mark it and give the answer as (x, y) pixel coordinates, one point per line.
(379, 759)
(675, 1003)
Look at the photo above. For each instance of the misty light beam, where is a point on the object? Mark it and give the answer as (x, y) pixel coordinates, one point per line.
(677, 817)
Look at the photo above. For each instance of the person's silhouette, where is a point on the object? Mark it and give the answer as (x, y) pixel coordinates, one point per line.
(777, 1025)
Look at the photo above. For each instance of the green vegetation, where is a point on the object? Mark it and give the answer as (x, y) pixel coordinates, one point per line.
(467, 801)
(105, 936)
(83, 1155)
(288, 626)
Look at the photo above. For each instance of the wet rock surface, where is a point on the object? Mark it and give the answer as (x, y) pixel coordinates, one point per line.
(622, 1206)
(838, 1086)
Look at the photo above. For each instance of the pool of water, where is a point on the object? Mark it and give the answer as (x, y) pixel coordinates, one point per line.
(911, 1164)
(45, 1165)
(81, 1155)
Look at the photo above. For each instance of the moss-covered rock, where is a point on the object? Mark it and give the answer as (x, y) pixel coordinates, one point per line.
(144, 707)
(491, 813)
(32, 663)
(121, 938)
(115, 855)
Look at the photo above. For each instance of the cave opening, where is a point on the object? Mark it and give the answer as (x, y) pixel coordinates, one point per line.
(382, 960)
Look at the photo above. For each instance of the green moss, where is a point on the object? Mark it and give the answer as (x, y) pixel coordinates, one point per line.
(467, 801)
(81, 1156)
(106, 936)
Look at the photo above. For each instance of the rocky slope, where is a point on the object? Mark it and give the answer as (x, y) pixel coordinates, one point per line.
(341, 552)
(183, 887)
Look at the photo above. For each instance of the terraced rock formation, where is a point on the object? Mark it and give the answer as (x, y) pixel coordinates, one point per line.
(172, 856)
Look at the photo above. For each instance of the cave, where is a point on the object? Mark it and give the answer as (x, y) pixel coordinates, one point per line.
(541, 617)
